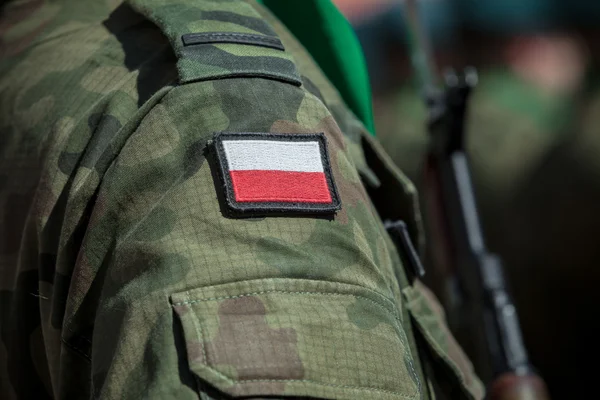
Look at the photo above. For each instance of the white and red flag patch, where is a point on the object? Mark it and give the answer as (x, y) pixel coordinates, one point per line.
(267, 172)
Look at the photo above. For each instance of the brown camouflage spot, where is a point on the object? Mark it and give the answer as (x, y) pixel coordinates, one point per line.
(195, 352)
(283, 126)
(247, 343)
(335, 136)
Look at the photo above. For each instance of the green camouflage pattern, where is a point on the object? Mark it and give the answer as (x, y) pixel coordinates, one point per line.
(120, 277)
(431, 321)
(294, 346)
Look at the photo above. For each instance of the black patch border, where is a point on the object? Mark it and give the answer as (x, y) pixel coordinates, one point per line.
(269, 208)
(191, 39)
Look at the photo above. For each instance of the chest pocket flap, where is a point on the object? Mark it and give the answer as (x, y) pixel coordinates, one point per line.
(295, 337)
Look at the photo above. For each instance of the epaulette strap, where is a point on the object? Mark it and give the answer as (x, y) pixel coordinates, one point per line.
(219, 39)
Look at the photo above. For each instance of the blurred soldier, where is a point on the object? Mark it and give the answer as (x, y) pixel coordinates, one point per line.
(533, 140)
(189, 209)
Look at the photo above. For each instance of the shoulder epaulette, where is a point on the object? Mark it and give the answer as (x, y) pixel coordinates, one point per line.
(220, 39)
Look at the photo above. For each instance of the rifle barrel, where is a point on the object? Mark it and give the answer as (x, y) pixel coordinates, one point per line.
(487, 309)
(481, 300)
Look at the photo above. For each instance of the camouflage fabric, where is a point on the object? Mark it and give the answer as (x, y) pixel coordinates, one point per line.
(219, 60)
(430, 319)
(121, 278)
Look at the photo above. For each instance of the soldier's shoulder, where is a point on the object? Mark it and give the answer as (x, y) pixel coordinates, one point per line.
(78, 57)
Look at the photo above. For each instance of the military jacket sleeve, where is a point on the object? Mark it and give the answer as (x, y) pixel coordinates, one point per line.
(138, 281)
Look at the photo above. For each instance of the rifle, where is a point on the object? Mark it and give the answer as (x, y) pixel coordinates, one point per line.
(481, 300)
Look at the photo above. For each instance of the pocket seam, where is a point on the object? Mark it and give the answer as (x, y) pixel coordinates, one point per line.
(430, 339)
(433, 342)
(448, 361)
(207, 365)
(451, 363)
(195, 301)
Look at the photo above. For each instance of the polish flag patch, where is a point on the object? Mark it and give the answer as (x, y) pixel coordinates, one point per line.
(276, 173)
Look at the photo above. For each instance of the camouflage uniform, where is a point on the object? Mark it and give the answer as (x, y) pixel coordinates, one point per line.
(120, 275)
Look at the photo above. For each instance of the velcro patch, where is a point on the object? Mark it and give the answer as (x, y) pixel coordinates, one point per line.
(266, 173)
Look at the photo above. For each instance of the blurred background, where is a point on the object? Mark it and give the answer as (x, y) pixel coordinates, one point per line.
(534, 143)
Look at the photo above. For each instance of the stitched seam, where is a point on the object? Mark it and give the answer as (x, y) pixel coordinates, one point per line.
(286, 78)
(363, 388)
(402, 336)
(249, 199)
(248, 42)
(251, 38)
(444, 356)
(411, 363)
(240, 35)
(246, 381)
(258, 37)
(434, 344)
(78, 334)
(189, 302)
(203, 347)
(77, 350)
(282, 143)
(190, 40)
